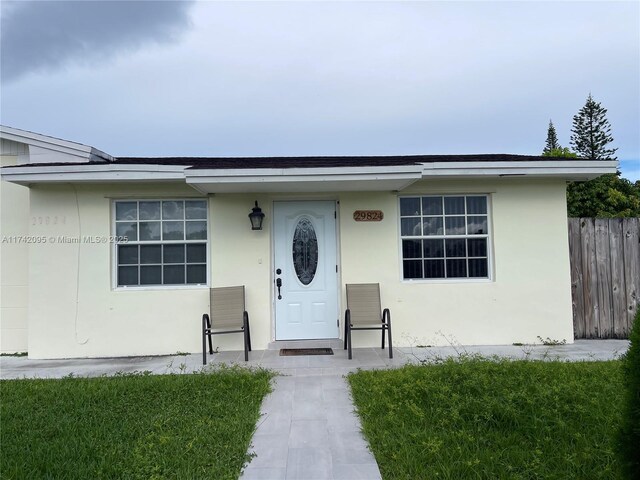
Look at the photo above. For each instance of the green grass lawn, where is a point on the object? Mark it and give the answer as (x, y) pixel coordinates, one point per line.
(130, 426)
(483, 419)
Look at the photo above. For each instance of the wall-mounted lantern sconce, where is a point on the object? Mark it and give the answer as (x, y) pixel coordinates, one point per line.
(256, 216)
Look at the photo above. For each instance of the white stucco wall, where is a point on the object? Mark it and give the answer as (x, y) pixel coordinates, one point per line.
(75, 312)
(14, 227)
(241, 256)
(529, 295)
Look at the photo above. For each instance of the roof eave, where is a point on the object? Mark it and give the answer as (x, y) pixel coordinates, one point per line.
(92, 173)
(570, 170)
(84, 152)
(299, 180)
(336, 178)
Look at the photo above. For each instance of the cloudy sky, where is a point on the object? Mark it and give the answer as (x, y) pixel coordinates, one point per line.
(161, 78)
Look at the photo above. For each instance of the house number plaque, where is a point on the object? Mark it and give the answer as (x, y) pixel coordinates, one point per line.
(368, 215)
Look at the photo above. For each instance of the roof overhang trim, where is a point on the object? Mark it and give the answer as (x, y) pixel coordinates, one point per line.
(568, 170)
(92, 173)
(304, 179)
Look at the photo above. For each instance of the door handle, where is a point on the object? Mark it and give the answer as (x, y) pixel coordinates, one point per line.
(279, 284)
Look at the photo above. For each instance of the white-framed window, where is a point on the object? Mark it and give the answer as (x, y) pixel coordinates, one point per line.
(445, 237)
(160, 242)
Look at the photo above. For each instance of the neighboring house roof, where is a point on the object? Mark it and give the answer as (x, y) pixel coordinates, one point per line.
(45, 149)
(302, 174)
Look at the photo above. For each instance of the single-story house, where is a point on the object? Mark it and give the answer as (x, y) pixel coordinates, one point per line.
(105, 256)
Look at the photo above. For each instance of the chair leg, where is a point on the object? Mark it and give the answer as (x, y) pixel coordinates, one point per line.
(386, 324)
(389, 334)
(247, 338)
(204, 340)
(347, 319)
(208, 320)
(246, 317)
(345, 335)
(349, 340)
(246, 343)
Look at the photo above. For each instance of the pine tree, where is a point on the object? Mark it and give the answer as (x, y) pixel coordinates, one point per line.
(552, 140)
(591, 132)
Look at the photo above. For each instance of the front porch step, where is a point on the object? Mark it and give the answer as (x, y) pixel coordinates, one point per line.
(334, 343)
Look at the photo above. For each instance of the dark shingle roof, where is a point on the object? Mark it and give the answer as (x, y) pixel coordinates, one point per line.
(319, 162)
(304, 162)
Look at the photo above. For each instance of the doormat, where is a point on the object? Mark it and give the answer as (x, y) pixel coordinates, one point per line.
(290, 352)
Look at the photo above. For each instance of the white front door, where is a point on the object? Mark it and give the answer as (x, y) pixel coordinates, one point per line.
(305, 267)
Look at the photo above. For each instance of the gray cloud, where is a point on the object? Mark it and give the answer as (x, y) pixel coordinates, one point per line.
(335, 78)
(49, 35)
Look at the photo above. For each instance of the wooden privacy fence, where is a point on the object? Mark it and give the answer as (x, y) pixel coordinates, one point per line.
(605, 275)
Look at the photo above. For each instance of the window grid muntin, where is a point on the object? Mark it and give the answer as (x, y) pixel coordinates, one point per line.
(162, 242)
(444, 236)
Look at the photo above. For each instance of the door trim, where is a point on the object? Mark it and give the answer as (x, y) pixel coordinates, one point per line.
(272, 278)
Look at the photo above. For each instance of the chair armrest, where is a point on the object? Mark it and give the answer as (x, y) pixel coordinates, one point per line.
(206, 321)
(386, 316)
(347, 317)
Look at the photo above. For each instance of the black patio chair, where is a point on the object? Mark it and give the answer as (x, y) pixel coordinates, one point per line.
(364, 313)
(228, 315)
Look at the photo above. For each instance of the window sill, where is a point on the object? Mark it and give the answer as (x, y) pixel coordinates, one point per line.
(163, 288)
(446, 281)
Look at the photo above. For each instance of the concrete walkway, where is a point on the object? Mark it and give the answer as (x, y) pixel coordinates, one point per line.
(308, 429)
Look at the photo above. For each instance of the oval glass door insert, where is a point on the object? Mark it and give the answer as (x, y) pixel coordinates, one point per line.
(305, 251)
